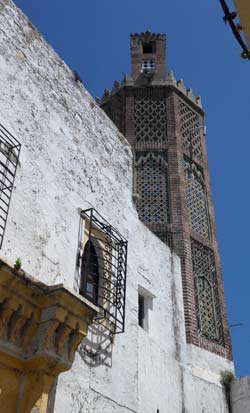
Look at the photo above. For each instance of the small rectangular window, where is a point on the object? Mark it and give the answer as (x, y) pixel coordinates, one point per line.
(145, 304)
(148, 65)
(141, 310)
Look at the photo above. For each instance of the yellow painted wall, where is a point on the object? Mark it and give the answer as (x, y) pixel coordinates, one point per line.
(20, 390)
(10, 380)
(243, 10)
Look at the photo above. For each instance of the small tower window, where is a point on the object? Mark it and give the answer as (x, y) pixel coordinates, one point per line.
(147, 48)
(148, 65)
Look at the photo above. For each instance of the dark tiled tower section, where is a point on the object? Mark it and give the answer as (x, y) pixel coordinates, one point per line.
(164, 124)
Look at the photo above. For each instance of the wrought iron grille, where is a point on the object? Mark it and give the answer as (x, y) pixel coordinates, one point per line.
(196, 199)
(9, 156)
(190, 120)
(206, 291)
(103, 270)
(152, 188)
(150, 119)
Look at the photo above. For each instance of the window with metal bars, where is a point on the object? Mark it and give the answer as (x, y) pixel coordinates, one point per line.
(90, 273)
(9, 156)
(102, 269)
(206, 293)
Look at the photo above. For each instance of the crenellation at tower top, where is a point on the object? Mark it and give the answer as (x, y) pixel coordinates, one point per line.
(149, 68)
(128, 81)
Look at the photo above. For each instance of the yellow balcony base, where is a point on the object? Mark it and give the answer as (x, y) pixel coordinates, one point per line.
(40, 330)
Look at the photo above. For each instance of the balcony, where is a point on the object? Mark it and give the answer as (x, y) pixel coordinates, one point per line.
(40, 330)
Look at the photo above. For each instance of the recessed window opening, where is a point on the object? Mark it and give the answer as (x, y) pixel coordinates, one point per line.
(90, 273)
(147, 48)
(145, 304)
(141, 311)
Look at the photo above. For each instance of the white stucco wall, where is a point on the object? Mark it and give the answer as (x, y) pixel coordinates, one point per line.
(240, 395)
(74, 157)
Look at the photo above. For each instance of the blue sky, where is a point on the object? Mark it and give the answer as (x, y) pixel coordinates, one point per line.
(93, 39)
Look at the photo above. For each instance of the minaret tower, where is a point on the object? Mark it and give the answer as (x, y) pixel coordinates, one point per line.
(164, 124)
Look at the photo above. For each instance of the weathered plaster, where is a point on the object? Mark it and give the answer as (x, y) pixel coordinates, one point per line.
(74, 157)
(240, 395)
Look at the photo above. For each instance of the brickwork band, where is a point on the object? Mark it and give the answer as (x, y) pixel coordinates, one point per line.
(165, 128)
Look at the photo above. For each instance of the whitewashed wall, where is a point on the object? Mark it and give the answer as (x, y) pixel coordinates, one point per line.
(74, 157)
(240, 395)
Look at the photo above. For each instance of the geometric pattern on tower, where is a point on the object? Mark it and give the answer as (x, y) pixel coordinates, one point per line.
(152, 187)
(191, 139)
(206, 292)
(196, 199)
(150, 119)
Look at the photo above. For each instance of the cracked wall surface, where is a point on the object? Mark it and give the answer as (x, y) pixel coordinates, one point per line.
(73, 157)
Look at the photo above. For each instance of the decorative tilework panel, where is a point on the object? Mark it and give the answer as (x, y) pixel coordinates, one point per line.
(206, 291)
(152, 188)
(196, 199)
